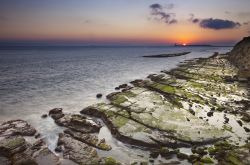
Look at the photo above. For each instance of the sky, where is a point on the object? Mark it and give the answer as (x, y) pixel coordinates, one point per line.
(124, 22)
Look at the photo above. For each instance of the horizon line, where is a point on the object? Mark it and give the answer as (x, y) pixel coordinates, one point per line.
(152, 45)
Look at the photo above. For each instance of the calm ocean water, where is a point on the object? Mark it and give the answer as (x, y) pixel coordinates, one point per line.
(34, 80)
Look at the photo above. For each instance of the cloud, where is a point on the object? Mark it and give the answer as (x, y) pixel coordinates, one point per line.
(246, 23)
(158, 13)
(244, 14)
(87, 21)
(173, 21)
(215, 24)
(196, 20)
(193, 19)
(218, 24)
(155, 6)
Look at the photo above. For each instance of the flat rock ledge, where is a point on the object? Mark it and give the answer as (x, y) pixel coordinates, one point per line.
(202, 102)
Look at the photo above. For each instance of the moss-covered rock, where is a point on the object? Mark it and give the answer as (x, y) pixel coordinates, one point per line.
(110, 161)
(10, 146)
(89, 139)
(149, 114)
(207, 160)
(182, 156)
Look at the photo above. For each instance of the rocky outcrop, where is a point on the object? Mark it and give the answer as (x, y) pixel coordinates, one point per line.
(77, 151)
(240, 55)
(75, 122)
(79, 142)
(16, 127)
(192, 105)
(16, 149)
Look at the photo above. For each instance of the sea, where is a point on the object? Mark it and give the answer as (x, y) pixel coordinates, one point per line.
(34, 80)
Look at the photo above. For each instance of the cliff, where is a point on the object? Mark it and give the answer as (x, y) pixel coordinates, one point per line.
(240, 55)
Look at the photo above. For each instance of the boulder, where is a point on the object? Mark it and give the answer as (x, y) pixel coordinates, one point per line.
(99, 95)
(56, 113)
(78, 123)
(44, 116)
(12, 145)
(16, 127)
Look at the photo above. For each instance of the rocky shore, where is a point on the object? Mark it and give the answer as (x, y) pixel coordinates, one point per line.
(197, 113)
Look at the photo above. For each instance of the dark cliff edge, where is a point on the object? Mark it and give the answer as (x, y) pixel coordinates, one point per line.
(240, 56)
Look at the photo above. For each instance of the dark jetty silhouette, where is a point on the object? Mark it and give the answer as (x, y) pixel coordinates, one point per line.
(167, 55)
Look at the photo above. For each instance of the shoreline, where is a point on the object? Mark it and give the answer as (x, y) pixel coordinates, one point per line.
(158, 92)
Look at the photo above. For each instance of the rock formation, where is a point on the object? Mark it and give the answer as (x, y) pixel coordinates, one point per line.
(240, 55)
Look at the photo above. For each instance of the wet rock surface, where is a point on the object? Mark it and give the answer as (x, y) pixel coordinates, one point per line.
(199, 103)
(89, 139)
(79, 142)
(77, 122)
(16, 149)
(56, 113)
(16, 127)
(77, 151)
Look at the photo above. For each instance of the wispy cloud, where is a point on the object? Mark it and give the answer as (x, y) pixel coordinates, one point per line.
(158, 12)
(88, 21)
(193, 19)
(244, 14)
(246, 23)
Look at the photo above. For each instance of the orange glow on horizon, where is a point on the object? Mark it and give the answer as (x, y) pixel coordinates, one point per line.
(186, 38)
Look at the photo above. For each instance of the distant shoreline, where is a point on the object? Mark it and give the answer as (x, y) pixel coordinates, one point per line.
(179, 45)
